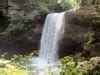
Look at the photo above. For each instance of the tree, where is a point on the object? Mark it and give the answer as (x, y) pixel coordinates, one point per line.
(84, 2)
(93, 2)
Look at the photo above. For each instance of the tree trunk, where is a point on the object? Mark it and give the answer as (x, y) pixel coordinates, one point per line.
(84, 2)
(93, 2)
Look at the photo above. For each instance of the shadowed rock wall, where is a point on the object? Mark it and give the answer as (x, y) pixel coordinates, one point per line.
(81, 33)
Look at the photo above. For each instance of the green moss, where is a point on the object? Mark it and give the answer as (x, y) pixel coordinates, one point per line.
(91, 38)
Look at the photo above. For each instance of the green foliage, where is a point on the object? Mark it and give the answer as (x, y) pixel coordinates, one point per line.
(16, 18)
(47, 5)
(18, 66)
(62, 7)
(73, 3)
(73, 67)
(69, 66)
(8, 67)
(91, 38)
(19, 1)
(44, 7)
(12, 70)
(20, 61)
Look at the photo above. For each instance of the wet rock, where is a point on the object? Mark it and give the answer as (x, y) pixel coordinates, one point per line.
(81, 32)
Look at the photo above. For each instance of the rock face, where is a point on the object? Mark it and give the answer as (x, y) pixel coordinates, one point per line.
(81, 32)
(23, 34)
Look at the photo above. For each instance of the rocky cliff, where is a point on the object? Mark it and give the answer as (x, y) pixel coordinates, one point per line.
(82, 32)
(23, 28)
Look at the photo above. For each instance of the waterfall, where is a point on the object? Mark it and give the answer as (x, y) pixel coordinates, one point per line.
(52, 33)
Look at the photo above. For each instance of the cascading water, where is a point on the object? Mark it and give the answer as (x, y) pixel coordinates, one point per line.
(52, 33)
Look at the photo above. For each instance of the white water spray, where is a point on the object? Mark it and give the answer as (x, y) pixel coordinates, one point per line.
(52, 33)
